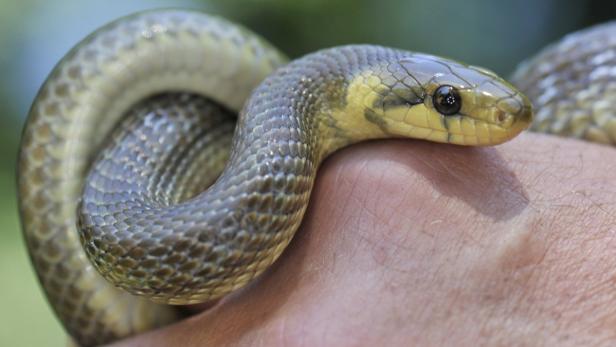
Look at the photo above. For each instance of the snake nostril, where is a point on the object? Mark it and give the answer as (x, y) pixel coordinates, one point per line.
(510, 106)
(501, 116)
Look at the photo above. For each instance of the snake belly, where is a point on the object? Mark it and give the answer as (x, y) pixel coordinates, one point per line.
(146, 208)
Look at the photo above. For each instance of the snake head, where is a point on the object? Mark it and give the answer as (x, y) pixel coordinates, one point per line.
(427, 97)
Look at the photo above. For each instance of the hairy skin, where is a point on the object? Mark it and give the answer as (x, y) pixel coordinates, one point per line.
(411, 243)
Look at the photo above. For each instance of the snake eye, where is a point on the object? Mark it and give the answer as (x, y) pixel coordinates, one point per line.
(447, 100)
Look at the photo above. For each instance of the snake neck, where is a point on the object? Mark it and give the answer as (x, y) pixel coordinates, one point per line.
(315, 101)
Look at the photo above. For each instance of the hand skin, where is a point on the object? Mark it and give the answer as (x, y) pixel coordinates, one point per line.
(411, 243)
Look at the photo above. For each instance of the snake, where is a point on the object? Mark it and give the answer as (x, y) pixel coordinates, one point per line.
(168, 158)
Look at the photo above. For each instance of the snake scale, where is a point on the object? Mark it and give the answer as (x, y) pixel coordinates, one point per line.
(133, 173)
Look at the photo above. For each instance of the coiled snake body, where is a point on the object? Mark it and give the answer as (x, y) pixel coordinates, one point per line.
(155, 215)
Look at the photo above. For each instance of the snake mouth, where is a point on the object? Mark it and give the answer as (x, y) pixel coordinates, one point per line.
(462, 130)
(495, 138)
(470, 131)
(509, 118)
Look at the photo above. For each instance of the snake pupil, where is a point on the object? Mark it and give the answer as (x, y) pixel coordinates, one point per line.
(447, 100)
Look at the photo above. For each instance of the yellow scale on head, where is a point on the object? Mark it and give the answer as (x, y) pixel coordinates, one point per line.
(489, 113)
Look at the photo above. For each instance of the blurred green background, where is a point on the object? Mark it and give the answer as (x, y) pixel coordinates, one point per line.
(34, 34)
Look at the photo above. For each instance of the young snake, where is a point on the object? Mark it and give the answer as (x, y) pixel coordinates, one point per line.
(147, 220)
